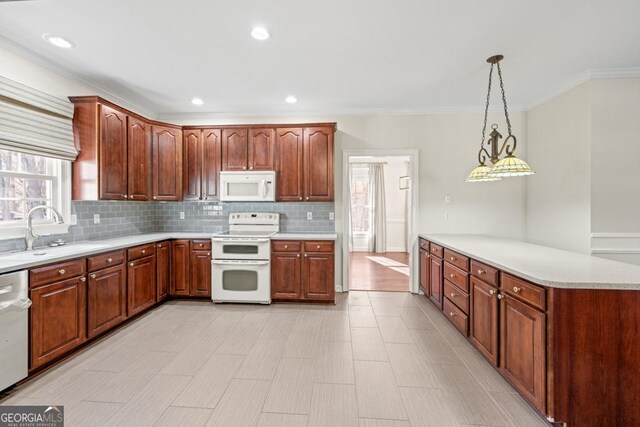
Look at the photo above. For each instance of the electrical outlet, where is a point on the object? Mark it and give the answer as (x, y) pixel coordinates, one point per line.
(73, 219)
(332, 216)
(309, 215)
(181, 215)
(446, 216)
(96, 218)
(447, 199)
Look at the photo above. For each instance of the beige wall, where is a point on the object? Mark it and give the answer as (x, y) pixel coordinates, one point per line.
(559, 195)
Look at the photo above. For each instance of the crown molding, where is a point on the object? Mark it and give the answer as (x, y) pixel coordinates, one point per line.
(49, 65)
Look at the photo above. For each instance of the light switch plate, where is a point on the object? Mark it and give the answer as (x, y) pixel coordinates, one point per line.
(332, 216)
(96, 218)
(309, 215)
(73, 219)
(447, 199)
(181, 215)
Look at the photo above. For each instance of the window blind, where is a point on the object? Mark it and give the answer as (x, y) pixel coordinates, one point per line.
(34, 122)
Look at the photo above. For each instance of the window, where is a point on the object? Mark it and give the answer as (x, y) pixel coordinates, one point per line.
(360, 201)
(27, 181)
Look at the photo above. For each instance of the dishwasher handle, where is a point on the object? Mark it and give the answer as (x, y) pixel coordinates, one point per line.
(15, 305)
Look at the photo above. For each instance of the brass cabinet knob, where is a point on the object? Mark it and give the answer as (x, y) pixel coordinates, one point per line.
(451, 314)
(428, 256)
(305, 255)
(208, 253)
(452, 275)
(159, 245)
(307, 197)
(318, 247)
(300, 198)
(516, 289)
(491, 292)
(131, 264)
(299, 255)
(124, 196)
(453, 258)
(83, 279)
(93, 276)
(250, 167)
(201, 244)
(155, 197)
(499, 296)
(286, 246)
(109, 259)
(453, 295)
(61, 271)
(481, 271)
(143, 251)
(244, 168)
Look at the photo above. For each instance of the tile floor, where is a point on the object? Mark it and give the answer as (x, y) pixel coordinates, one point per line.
(374, 359)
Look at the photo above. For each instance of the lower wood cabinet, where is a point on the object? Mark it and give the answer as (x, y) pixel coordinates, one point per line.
(435, 280)
(483, 328)
(200, 271)
(163, 270)
(191, 268)
(141, 284)
(58, 319)
(106, 299)
(180, 268)
(423, 268)
(303, 271)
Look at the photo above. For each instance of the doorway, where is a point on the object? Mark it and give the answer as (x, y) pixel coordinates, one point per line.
(379, 216)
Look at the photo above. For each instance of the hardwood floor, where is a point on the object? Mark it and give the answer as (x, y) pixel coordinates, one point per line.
(368, 275)
(373, 359)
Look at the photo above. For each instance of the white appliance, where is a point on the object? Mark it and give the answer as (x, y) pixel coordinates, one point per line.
(248, 186)
(240, 269)
(14, 333)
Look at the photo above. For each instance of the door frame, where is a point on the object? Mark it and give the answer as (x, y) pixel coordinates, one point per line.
(413, 234)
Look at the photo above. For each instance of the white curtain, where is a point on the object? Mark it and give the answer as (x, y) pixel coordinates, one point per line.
(378, 226)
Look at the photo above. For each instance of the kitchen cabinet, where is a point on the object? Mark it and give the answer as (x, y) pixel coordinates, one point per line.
(303, 270)
(262, 144)
(180, 268)
(523, 349)
(235, 149)
(114, 159)
(167, 163)
(318, 164)
(192, 169)
(435, 280)
(141, 284)
(163, 270)
(106, 299)
(211, 163)
(423, 266)
(200, 269)
(57, 319)
(289, 162)
(483, 329)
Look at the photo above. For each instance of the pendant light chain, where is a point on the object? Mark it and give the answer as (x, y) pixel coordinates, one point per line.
(504, 100)
(486, 108)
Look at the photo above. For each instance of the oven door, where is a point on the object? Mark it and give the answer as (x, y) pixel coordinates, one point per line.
(240, 248)
(240, 281)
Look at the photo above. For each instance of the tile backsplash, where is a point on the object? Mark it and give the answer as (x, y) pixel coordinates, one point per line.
(125, 218)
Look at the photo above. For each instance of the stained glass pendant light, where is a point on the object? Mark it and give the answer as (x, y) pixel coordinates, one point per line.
(510, 165)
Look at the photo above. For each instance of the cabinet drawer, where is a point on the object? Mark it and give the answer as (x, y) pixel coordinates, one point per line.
(424, 244)
(286, 246)
(56, 272)
(457, 317)
(101, 261)
(485, 273)
(141, 251)
(456, 259)
(436, 250)
(318, 246)
(456, 276)
(201, 245)
(524, 291)
(456, 296)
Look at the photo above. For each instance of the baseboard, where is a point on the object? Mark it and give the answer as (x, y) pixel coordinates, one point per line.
(615, 243)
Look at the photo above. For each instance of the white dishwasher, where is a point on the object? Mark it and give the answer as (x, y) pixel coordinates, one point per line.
(14, 323)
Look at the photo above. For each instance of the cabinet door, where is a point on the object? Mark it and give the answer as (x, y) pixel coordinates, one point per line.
(235, 150)
(180, 268)
(424, 271)
(289, 164)
(106, 299)
(167, 163)
(318, 280)
(200, 277)
(435, 281)
(261, 149)
(141, 284)
(112, 168)
(318, 164)
(211, 163)
(192, 169)
(523, 349)
(286, 275)
(163, 270)
(139, 161)
(58, 319)
(484, 319)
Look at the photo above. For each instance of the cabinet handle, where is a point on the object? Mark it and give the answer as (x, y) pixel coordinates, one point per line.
(208, 253)
(124, 196)
(299, 255)
(481, 271)
(499, 296)
(155, 197)
(318, 247)
(453, 258)
(453, 295)
(130, 264)
(93, 276)
(109, 259)
(244, 168)
(451, 314)
(307, 197)
(201, 244)
(305, 255)
(286, 246)
(516, 289)
(452, 275)
(61, 271)
(250, 167)
(300, 198)
(144, 251)
(83, 279)
(491, 292)
(428, 255)
(159, 246)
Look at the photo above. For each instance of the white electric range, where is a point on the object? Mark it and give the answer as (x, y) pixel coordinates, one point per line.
(240, 268)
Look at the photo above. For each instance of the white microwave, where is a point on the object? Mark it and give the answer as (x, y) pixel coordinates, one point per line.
(248, 186)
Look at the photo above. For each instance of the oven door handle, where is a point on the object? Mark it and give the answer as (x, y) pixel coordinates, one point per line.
(237, 263)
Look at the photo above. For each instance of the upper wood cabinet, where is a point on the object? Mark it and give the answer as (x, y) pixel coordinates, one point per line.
(235, 151)
(202, 152)
(318, 164)
(289, 161)
(114, 159)
(262, 144)
(211, 163)
(167, 163)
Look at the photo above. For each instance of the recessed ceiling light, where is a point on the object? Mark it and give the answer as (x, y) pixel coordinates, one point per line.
(58, 41)
(291, 99)
(260, 33)
(197, 101)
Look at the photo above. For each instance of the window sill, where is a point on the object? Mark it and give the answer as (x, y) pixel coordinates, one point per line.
(19, 231)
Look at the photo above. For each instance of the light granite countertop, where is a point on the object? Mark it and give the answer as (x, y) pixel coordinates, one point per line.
(305, 236)
(541, 264)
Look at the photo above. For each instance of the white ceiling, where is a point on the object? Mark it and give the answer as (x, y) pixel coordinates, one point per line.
(335, 56)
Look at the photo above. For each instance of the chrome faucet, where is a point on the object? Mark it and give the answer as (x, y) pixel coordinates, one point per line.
(29, 238)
